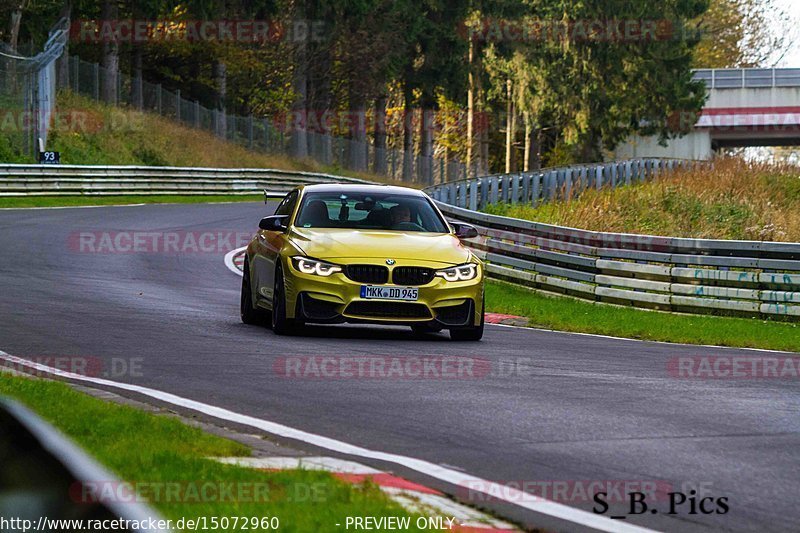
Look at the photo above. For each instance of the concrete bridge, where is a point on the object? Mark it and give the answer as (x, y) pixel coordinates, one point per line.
(745, 107)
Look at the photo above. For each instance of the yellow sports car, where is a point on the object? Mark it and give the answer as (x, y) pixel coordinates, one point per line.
(362, 253)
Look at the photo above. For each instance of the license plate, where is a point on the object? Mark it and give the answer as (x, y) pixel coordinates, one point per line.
(370, 292)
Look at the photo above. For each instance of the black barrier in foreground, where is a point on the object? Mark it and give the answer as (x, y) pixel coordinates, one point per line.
(39, 470)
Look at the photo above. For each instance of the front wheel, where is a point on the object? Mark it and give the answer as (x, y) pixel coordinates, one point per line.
(472, 333)
(280, 324)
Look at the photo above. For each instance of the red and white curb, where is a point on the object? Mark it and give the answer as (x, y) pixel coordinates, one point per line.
(234, 260)
(412, 496)
(238, 261)
(505, 320)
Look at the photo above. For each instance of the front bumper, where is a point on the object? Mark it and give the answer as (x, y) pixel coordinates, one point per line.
(336, 299)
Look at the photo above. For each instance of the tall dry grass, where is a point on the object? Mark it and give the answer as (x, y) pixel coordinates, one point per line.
(734, 199)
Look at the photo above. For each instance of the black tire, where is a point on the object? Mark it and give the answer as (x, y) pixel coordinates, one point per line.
(280, 324)
(250, 314)
(473, 333)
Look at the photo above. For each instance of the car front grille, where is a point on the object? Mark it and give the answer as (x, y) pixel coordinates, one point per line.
(387, 310)
(412, 275)
(367, 273)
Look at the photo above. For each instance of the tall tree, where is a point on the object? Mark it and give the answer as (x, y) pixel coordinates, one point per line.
(742, 33)
(601, 88)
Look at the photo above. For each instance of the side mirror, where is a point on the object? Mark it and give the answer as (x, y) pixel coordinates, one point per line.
(274, 223)
(464, 231)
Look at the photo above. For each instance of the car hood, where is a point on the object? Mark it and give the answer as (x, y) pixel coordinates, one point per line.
(335, 244)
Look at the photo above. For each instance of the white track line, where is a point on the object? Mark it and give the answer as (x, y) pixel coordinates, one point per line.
(229, 261)
(453, 477)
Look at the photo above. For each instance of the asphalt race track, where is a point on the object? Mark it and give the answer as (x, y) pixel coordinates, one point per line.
(574, 409)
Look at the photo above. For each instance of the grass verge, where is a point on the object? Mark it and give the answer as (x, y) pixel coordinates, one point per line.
(568, 314)
(153, 449)
(732, 199)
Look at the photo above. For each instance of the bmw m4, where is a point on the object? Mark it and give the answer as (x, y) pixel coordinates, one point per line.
(364, 254)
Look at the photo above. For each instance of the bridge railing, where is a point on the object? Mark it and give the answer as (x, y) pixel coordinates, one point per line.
(748, 78)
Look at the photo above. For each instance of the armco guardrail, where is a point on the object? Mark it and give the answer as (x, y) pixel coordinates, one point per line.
(46, 476)
(61, 180)
(749, 278)
(550, 184)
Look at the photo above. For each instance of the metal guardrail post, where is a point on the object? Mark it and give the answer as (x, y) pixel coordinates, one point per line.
(526, 188)
(514, 189)
(494, 183)
(536, 188)
(568, 184)
(473, 194)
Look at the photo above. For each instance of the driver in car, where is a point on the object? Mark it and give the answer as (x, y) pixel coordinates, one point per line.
(400, 214)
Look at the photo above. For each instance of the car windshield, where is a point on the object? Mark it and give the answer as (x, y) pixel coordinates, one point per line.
(393, 212)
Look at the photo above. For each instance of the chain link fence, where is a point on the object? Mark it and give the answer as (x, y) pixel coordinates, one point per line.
(28, 93)
(261, 134)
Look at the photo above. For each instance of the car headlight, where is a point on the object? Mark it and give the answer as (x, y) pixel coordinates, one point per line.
(459, 273)
(313, 266)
